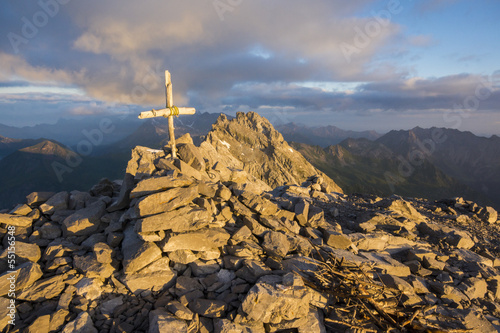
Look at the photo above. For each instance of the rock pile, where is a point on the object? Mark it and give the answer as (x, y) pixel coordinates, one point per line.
(195, 245)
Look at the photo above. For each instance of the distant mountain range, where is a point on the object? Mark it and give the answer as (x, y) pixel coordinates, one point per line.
(72, 131)
(321, 136)
(51, 166)
(431, 163)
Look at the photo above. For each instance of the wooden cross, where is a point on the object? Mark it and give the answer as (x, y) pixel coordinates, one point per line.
(170, 111)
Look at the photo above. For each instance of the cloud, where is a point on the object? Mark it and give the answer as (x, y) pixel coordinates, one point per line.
(117, 50)
(403, 96)
(257, 54)
(130, 40)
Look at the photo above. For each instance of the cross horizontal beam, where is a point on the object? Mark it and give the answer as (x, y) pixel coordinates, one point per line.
(165, 112)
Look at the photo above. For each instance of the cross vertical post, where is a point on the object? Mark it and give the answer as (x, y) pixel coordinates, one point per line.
(169, 112)
(170, 104)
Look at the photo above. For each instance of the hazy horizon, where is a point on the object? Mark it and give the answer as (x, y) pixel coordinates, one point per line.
(275, 122)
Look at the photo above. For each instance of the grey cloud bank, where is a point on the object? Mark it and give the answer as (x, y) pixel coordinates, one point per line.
(261, 56)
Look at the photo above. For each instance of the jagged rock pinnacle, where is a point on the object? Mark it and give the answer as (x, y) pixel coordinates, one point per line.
(262, 151)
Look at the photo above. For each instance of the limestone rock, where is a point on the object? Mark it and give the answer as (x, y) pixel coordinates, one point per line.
(59, 201)
(5, 312)
(166, 201)
(179, 310)
(37, 198)
(268, 304)
(89, 288)
(42, 290)
(142, 162)
(208, 308)
(139, 256)
(182, 256)
(405, 209)
(85, 221)
(251, 141)
(91, 267)
(103, 188)
(474, 288)
(25, 275)
(24, 252)
(226, 326)
(201, 240)
(302, 212)
(161, 321)
(386, 264)
(57, 320)
(82, 324)
(188, 170)
(123, 199)
(316, 217)
(137, 253)
(158, 184)
(15, 220)
(21, 210)
(187, 218)
(40, 325)
(50, 230)
(156, 281)
(489, 214)
(191, 154)
(276, 244)
(103, 253)
(259, 204)
(110, 305)
(337, 240)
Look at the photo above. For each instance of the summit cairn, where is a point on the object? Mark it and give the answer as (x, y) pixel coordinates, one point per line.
(210, 242)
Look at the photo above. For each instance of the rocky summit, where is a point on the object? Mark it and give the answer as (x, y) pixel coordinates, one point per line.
(242, 234)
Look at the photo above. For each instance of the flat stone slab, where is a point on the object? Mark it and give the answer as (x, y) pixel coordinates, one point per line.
(85, 221)
(154, 185)
(25, 275)
(25, 251)
(83, 323)
(42, 290)
(188, 218)
(137, 254)
(16, 220)
(160, 321)
(208, 307)
(386, 263)
(166, 201)
(201, 240)
(59, 201)
(137, 283)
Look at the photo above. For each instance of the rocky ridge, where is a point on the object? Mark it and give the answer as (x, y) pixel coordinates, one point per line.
(204, 244)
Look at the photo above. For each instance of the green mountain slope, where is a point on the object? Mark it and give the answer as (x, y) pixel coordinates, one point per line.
(364, 166)
(45, 167)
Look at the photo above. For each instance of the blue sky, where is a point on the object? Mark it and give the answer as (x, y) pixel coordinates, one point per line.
(358, 65)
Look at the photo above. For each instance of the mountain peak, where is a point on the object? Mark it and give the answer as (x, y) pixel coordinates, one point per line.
(252, 143)
(47, 147)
